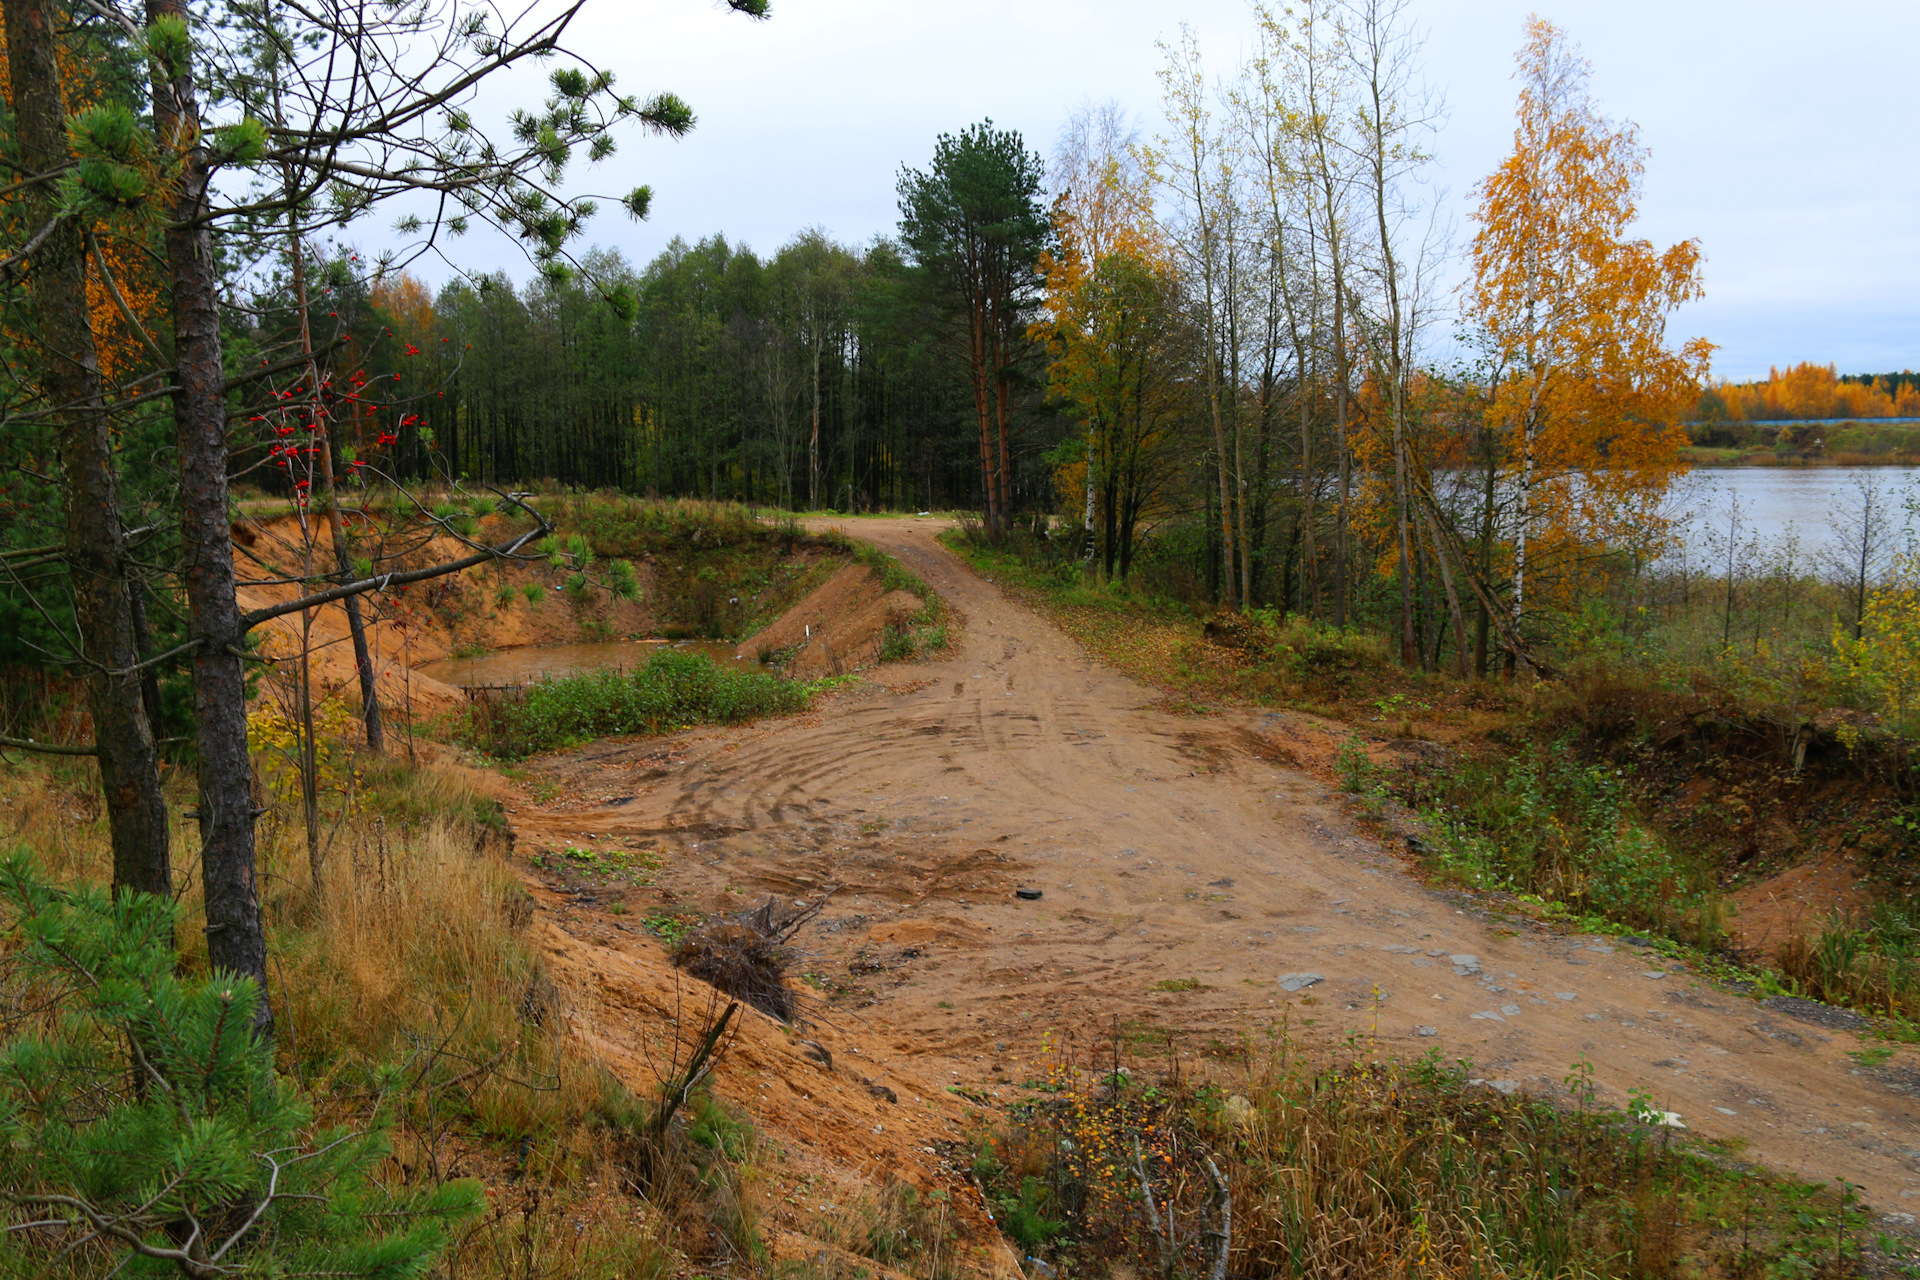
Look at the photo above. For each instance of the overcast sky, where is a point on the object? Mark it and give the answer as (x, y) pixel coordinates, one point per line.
(1780, 134)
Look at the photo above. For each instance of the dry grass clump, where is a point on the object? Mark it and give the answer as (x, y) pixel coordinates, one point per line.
(897, 1225)
(741, 961)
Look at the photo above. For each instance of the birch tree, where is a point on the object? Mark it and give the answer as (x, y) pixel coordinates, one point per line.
(1574, 309)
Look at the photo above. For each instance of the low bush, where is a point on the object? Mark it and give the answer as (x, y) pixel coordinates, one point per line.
(1539, 821)
(672, 691)
(143, 1127)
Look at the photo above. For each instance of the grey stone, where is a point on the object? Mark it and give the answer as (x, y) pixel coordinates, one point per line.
(1565, 995)
(1299, 981)
(1487, 1015)
(1426, 1031)
(1421, 962)
(1654, 973)
(1510, 1010)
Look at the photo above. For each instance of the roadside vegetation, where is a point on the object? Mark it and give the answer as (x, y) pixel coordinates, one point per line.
(674, 690)
(1373, 1168)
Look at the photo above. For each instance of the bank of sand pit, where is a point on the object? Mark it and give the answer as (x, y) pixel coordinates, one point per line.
(1192, 887)
(520, 605)
(841, 627)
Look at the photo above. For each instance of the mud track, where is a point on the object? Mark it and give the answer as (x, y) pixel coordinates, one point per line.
(1169, 848)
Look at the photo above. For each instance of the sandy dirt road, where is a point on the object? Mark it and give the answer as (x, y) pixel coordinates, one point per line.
(1173, 847)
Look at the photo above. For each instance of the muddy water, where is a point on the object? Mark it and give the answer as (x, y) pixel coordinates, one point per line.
(533, 662)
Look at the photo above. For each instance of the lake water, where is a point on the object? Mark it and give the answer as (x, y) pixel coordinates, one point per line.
(533, 662)
(1806, 501)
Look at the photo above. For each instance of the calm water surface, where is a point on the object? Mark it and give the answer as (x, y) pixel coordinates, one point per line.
(1806, 501)
(525, 665)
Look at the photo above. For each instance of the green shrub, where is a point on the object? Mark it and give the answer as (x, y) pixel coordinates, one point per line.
(142, 1123)
(1871, 962)
(672, 691)
(1564, 831)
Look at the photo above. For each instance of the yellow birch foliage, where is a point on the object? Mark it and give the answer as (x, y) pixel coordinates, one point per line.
(1586, 390)
(1885, 660)
(1097, 326)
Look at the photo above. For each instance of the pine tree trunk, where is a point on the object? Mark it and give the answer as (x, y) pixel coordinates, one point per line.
(69, 370)
(236, 939)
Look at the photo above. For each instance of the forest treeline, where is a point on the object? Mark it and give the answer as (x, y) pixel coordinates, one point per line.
(1198, 347)
(1811, 393)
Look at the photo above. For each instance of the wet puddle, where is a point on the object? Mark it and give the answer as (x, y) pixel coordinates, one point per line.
(534, 662)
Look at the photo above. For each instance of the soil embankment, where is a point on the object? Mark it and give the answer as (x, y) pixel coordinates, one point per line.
(522, 604)
(840, 627)
(1172, 851)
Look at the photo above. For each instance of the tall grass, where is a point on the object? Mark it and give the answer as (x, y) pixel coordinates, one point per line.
(672, 691)
(409, 990)
(1870, 961)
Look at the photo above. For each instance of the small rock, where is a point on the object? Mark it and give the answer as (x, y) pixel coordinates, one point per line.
(1899, 1219)
(1426, 1031)
(1565, 995)
(1399, 949)
(1487, 1015)
(1027, 895)
(1299, 981)
(1726, 1111)
(1654, 973)
(1464, 965)
(817, 1051)
(882, 1092)
(1239, 1112)
(1510, 1010)
(1601, 948)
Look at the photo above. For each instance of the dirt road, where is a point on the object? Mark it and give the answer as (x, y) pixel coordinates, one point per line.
(1173, 850)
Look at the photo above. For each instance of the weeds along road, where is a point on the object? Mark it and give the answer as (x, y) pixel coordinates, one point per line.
(1189, 883)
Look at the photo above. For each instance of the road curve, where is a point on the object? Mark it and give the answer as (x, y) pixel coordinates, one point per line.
(1175, 849)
